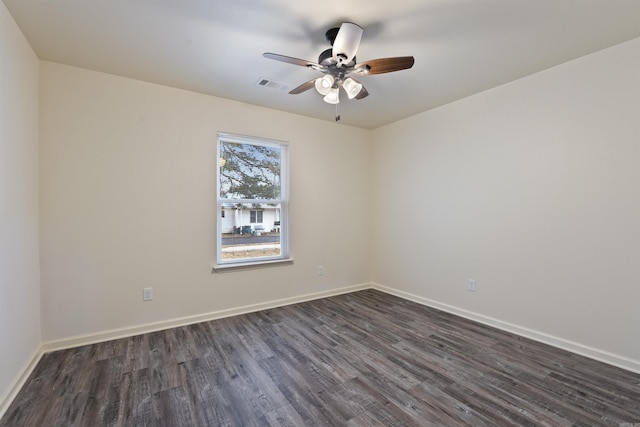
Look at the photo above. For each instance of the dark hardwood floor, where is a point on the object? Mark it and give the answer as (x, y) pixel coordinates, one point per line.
(361, 359)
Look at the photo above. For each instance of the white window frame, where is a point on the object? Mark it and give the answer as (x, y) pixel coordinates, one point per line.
(283, 201)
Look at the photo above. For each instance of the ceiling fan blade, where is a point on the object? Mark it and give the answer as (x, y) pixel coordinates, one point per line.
(384, 65)
(303, 87)
(347, 42)
(291, 60)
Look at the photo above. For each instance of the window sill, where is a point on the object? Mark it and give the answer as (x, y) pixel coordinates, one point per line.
(221, 268)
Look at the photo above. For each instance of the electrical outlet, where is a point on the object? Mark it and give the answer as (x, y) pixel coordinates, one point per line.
(147, 294)
(320, 270)
(471, 285)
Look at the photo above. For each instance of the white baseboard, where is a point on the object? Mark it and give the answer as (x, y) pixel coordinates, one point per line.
(592, 353)
(80, 340)
(19, 381)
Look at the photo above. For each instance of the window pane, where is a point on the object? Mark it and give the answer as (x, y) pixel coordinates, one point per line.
(249, 171)
(242, 238)
(252, 192)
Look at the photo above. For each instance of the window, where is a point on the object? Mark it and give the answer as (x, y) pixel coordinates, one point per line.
(252, 192)
(256, 217)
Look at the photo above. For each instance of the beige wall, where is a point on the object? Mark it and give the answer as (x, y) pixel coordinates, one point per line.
(19, 265)
(128, 201)
(533, 190)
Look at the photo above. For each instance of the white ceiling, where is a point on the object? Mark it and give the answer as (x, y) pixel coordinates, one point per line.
(461, 47)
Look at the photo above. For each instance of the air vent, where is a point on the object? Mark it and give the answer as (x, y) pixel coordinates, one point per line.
(272, 84)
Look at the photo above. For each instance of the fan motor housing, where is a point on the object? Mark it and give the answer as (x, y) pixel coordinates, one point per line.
(331, 35)
(326, 59)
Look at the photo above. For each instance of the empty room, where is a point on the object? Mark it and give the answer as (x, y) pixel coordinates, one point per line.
(250, 213)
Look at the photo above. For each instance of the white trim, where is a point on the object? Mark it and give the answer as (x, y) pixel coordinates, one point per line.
(19, 381)
(577, 348)
(217, 268)
(80, 340)
(254, 140)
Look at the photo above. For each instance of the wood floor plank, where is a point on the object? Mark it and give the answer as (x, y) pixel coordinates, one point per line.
(299, 391)
(360, 359)
(447, 409)
(285, 416)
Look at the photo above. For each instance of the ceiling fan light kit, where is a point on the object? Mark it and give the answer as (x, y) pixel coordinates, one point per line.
(352, 87)
(339, 63)
(333, 96)
(324, 84)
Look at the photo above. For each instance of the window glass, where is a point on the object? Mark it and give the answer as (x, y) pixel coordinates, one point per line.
(252, 196)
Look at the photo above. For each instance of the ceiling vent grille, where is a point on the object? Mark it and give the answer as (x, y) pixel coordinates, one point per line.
(272, 84)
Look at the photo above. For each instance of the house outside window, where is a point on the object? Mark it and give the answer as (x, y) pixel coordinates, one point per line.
(252, 194)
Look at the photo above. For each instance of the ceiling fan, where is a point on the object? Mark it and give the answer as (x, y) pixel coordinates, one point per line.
(338, 64)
